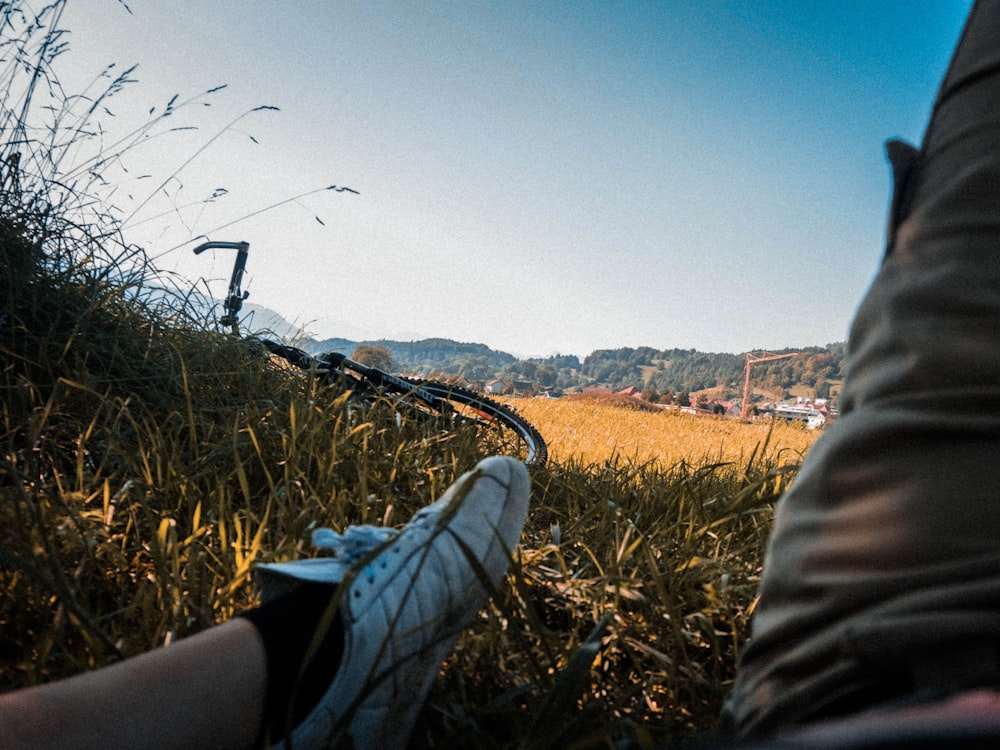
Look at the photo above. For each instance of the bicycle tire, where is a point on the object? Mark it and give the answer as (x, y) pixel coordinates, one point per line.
(511, 433)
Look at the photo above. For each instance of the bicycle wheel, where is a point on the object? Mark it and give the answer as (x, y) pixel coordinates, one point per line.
(502, 429)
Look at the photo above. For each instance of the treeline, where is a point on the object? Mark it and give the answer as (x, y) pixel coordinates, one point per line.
(816, 371)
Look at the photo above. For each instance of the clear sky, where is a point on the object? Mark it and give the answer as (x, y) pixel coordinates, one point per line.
(540, 177)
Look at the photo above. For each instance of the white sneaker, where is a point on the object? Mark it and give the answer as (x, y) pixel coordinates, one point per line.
(409, 594)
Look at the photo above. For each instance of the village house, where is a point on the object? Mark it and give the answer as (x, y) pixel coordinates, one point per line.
(814, 412)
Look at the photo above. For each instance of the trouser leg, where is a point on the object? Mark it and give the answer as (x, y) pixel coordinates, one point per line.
(887, 547)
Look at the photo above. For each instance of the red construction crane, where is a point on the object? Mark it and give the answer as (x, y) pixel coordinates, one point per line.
(751, 361)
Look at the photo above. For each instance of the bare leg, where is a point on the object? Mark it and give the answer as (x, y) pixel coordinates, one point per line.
(206, 691)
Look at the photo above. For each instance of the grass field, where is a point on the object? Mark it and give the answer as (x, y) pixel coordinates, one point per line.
(133, 515)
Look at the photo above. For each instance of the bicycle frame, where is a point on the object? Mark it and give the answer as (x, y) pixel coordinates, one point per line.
(380, 379)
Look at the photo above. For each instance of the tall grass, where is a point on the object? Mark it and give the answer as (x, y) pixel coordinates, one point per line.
(147, 463)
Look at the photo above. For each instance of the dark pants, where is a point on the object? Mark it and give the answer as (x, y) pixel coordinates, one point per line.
(882, 576)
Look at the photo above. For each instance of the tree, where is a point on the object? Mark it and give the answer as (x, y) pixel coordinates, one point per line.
(476, 368)
(546, 375)
(374, 355)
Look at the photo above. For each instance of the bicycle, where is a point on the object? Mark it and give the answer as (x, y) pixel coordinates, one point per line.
(505, 430)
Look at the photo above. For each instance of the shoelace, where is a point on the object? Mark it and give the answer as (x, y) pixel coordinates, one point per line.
(354, 543)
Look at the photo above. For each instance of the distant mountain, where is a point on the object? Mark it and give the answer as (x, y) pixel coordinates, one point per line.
(257, 318)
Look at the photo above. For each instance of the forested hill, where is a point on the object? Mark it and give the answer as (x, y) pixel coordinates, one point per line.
(813, 371)
(428, 355)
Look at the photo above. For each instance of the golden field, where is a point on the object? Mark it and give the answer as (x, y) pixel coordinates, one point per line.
(592, 430)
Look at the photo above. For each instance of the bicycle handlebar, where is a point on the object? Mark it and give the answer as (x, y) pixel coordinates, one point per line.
(211, 245)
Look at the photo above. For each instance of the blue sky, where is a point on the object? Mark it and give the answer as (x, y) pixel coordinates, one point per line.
(541, 177)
